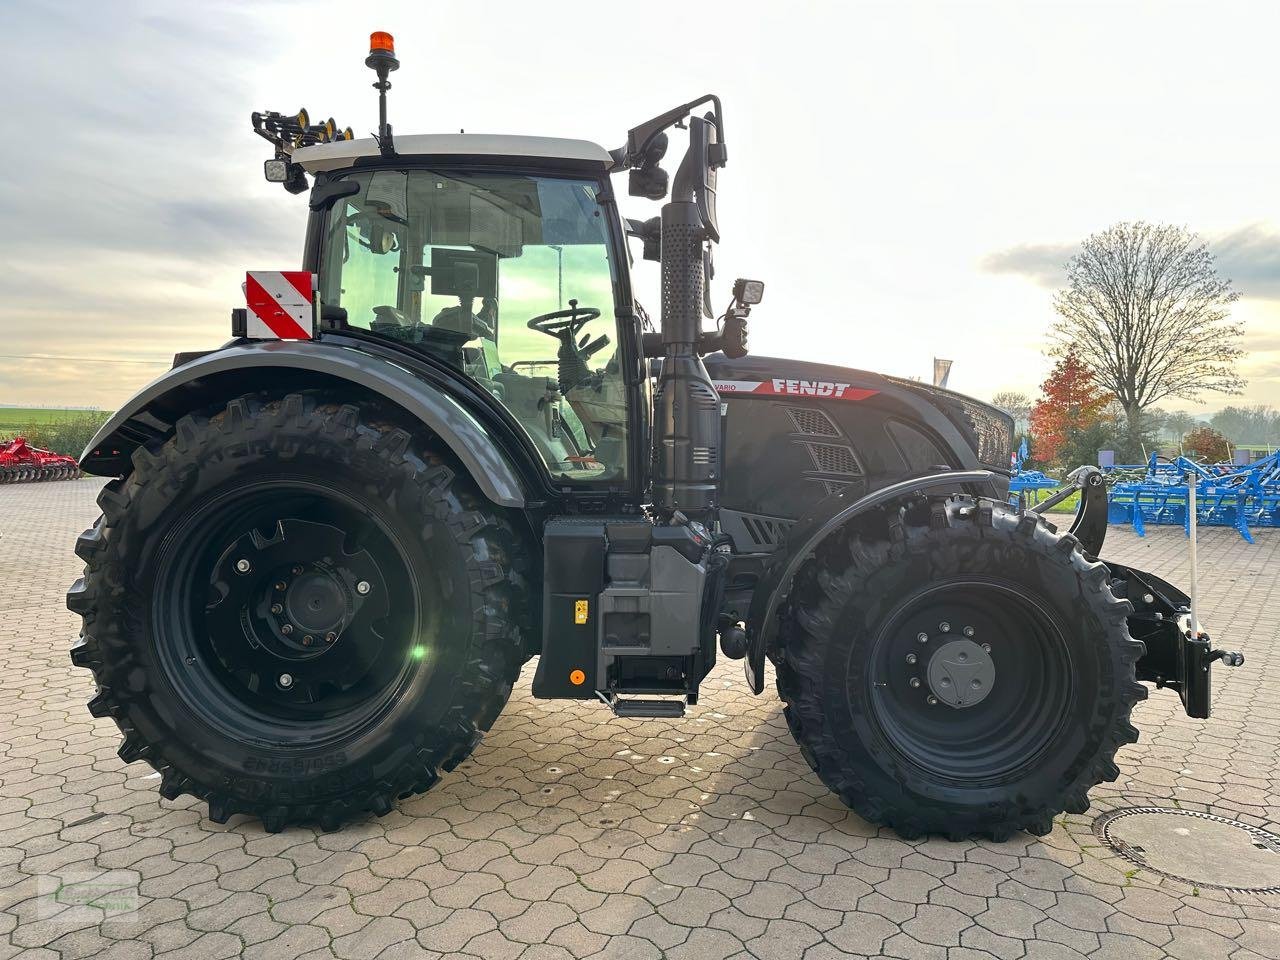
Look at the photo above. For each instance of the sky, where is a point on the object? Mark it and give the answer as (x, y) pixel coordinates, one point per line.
(907, 178)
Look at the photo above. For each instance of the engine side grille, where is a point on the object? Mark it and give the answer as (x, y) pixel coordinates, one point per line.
(753, 532)
(995, 437)
(834, 458)
(813, 422)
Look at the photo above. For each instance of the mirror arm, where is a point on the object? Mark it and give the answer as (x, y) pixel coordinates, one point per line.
(640, 137)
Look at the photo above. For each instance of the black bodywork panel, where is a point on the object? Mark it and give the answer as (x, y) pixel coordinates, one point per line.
(796, 433)
(629, 608)
(805, 431)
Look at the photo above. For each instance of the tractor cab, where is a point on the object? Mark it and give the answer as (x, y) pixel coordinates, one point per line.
(500, 257)
(504, 259)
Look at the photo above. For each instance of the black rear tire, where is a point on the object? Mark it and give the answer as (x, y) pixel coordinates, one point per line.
(402, 589)
(869, 702)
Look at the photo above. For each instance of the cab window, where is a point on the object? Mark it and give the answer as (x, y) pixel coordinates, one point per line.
(510, 280)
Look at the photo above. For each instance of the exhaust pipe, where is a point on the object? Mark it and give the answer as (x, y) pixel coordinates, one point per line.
(686, 448)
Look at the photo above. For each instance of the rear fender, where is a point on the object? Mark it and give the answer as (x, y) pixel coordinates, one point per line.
(244, 368)
(810, 531)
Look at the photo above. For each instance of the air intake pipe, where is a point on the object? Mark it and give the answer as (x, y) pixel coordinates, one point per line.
(686, 450)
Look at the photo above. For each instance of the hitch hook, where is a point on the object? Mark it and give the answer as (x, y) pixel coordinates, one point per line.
(1229, 658)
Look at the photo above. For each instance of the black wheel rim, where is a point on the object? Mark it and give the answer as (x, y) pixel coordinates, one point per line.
(288, 613)
(1000, 731)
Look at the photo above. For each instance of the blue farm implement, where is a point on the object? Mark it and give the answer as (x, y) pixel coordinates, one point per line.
(1025, 485)
(1226, 495)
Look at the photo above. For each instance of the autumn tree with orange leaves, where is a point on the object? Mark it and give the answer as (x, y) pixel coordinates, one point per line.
(1071, 402)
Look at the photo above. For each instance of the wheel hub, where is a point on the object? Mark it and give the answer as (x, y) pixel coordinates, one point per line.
(961, 674)
(927, 655)
(282, 604)
(317, 603)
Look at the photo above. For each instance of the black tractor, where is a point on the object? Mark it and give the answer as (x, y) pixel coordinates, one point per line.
(454, 441)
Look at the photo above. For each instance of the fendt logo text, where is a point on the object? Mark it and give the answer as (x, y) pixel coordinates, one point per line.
(810, 388)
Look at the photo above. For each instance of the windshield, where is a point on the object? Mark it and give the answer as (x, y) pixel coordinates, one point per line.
(507, 278)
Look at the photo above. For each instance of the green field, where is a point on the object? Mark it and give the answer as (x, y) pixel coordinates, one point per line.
(21, 416)
(1069, 505)
(62, 430)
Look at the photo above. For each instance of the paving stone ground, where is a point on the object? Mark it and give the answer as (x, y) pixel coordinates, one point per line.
(571, 834)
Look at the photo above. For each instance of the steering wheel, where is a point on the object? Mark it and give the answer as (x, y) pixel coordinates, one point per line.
(564, 324)
(571, 359)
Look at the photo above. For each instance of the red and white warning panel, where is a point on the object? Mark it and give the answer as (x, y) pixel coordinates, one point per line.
(281, 304)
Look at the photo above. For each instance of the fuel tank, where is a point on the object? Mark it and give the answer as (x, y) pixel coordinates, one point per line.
(795, 432)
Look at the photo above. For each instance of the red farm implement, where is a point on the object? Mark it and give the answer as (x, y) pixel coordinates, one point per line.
(20, 462)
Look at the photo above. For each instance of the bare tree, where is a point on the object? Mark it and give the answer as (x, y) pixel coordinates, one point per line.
(1017, 405)
(1145, 308)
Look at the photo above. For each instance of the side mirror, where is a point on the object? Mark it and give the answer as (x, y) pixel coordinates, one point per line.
(749, 292)
(649, 180)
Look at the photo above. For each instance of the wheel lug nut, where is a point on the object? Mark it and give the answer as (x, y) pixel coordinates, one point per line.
(285, 681)
(287, 629)
(363, 587)
(922, 637)
(944, 627)
(306, 641)
(986, 647)
(276, 608)
(968, 631)
(911, 658)
(931, 700)
(914, 681)
(243, 565)
(280, 584)
(330, 637)
(297, 569)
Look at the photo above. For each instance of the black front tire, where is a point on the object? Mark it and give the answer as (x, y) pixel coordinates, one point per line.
(856, 677)
(453, 641)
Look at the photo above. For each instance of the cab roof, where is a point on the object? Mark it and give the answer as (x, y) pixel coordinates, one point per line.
(340, 154)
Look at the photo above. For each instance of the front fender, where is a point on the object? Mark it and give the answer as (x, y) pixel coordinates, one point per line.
(246, 367)
(809, 532)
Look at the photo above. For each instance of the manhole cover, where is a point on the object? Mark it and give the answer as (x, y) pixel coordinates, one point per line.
(1197, 848)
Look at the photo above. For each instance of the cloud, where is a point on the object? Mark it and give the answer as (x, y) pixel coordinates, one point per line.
(1043, 263)
(133, 163)
(1265, 340)
(1250, 256)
